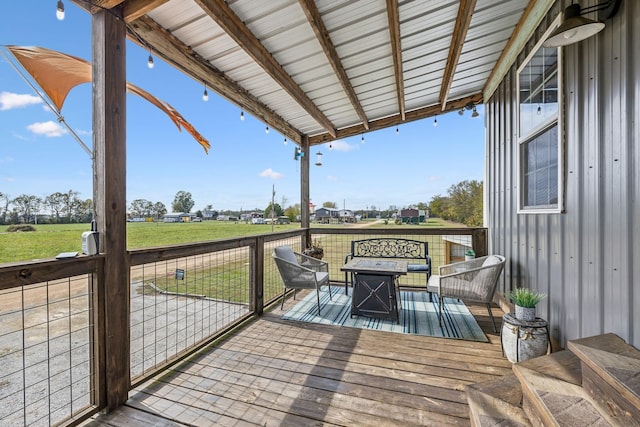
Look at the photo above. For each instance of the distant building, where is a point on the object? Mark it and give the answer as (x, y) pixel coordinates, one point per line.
(325, 215)
(410, 216)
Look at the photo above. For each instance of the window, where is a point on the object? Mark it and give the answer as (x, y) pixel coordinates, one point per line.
(539, 131)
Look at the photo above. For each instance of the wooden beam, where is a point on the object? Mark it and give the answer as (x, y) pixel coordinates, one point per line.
(529, 21)
(223, 15)
(465, 12)
(315, 20)
(304, 183)
(181, 56)
(396, 49)
(134, 9)
(395, 120)
(110, 192)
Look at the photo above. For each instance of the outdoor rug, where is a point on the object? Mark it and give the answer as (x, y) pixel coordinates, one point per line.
(418, 316)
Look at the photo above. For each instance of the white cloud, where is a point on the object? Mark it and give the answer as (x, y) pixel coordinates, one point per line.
(10, 100)
(49, 129)
(341, 145)
(332, 178)
(270, 173)
(435, 178)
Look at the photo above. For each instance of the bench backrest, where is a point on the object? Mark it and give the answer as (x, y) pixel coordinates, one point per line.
(390, 248)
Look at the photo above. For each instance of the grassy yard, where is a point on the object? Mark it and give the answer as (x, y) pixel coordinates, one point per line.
(50, 239)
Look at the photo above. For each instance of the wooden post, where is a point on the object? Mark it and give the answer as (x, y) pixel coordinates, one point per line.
(479, 241)
(257, 275)
(304, 185)
(109, 191)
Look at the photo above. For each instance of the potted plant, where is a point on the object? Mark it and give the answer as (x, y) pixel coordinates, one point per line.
(314, 250)
(525, 301)
(469, 255)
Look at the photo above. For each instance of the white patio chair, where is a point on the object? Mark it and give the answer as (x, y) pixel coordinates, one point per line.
(475, 280)
(308, 273)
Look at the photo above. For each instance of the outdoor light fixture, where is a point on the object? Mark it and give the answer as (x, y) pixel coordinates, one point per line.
(205, 95)
(60, 11)
(397, 130)
(285, 140)
(266, 130)
(475, 112)
(241, 115)
(362, 139)
(150, 61)
(461, 112)
(575, 27)
(318, 159)
(435, 121)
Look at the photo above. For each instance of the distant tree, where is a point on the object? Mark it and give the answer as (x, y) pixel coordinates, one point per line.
(330, 205)
(55, 203)
(182, 202)
(277, 211)
(26, 206)
(463, 204)
(5, 200)
(141, 208)
(70, 201)
(292, 212)
(159, 210)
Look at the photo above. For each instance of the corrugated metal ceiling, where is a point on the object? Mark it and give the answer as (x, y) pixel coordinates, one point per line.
(278, 68)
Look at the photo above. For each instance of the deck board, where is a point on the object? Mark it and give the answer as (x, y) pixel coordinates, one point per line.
(276, 372)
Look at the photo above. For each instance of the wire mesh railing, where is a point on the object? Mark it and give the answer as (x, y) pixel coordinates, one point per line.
(47, 358)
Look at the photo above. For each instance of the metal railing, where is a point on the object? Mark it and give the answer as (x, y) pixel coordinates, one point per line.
(181, 298)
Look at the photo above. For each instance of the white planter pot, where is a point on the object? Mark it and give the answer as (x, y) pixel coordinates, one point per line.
(525, 314)
(523, 340)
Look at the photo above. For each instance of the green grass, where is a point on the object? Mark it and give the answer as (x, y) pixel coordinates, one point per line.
(50, 239)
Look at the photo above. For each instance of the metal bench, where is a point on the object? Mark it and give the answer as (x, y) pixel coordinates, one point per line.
(392, 248)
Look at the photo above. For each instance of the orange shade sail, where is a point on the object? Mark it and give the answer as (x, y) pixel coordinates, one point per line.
(57, 73)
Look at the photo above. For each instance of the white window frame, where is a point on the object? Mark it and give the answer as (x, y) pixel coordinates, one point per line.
(542, 127)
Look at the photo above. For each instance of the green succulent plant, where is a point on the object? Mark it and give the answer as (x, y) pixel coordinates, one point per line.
(525, 297)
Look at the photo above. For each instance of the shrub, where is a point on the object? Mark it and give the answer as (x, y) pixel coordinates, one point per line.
(20, 227)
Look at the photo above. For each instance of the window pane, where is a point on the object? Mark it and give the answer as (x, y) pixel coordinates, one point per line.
(538, 83)
(540, 172)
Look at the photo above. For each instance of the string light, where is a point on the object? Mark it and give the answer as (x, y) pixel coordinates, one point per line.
(205, 95)
(330, 146)
(285, 140)
(266, 130)
(362, 140)
(397, 130)
(60, 10)
(150, 61)
(435, 121)
(539, 111)
(241, 115)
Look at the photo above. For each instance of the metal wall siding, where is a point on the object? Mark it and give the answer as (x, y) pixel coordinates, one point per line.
(587, 259)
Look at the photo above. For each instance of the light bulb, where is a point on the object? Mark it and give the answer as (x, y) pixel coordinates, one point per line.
(60, 10)
(241, 115)
(285, 141)
(362, 140)
(266, 130)
(435, 122)
(539, 110)
(461, 111)
(397, 130)
(150, 62)
(475, 112)
(205, 95)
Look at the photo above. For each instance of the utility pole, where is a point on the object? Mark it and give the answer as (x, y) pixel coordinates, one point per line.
(273, 198)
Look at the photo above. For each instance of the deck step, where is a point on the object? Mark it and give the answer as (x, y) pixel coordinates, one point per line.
(563, 365)
(611, 374)
(496, 403)
(551, 401)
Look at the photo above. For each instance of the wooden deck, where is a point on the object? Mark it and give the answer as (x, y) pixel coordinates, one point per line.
(275, 372)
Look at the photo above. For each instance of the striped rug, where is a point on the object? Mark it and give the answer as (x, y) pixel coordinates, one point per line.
(418, 316)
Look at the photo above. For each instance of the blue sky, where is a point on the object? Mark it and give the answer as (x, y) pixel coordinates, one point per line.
(38, 157)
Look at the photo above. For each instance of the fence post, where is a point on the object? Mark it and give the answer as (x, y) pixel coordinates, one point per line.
(479, 242)
(256, 293)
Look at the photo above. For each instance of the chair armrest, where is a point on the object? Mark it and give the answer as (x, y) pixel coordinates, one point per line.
(314, 263)
(348, 257)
